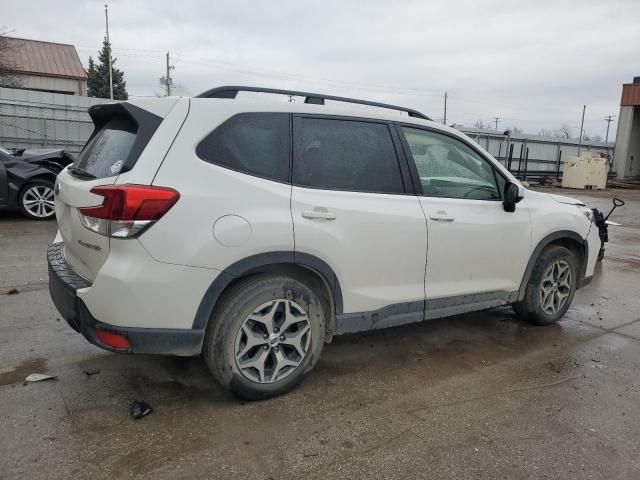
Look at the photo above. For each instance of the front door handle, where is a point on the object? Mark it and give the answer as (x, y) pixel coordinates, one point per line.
(441, 216)
(319, 213)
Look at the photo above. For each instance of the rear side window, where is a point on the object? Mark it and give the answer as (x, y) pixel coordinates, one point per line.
(107, 151)
(345, 155)
(253, 143)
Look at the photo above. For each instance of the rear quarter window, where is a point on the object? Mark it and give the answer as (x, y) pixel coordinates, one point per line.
(253, 143)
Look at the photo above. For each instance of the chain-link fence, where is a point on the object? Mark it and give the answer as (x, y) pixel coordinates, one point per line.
(30, 119)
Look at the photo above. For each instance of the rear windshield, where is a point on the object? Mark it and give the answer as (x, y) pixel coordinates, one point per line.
(106, 153)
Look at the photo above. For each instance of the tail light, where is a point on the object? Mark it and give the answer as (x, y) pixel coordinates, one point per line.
(127, 210)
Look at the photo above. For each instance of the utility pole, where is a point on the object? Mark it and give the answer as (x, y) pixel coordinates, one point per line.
(584, 107)
(106, 18)
(444, 120)
(496, 119)
(608, 119)
(168, 80)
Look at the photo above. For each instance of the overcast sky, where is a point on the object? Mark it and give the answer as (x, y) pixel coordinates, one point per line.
(533, 64)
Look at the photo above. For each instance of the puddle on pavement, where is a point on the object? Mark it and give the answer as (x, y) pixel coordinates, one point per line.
(17, 374)
(446, 347)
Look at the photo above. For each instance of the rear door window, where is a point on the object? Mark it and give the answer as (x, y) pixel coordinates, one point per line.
(347, 155)
(106, 153)
(252, 143)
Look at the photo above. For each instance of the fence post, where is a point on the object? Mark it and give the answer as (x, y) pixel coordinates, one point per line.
(558, 164)
(510, 158)
(520, 160)
(526, 164)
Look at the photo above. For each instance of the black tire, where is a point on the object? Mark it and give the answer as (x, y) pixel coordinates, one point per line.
(21, 199)
(235, 306)
(531, 308)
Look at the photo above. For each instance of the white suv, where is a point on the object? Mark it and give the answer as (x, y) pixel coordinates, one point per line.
(250, 230)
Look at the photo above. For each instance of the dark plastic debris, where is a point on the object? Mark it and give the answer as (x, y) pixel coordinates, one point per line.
(139, 409)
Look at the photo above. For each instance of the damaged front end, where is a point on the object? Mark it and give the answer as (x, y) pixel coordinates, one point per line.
(603, 223)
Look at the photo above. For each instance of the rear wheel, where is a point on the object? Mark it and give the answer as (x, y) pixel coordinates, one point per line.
(36, 200)
(551, 287)
(265, 335)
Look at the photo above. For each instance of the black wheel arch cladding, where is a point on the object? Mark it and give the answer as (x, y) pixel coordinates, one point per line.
(253, 263)
(559, 237)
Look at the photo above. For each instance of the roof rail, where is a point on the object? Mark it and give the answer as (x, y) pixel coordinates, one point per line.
(312, 98)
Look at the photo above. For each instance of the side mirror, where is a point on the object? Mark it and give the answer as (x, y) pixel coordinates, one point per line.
(512, 195)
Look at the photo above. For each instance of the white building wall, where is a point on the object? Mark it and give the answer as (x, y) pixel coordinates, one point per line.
(627, 161)
(66, 85)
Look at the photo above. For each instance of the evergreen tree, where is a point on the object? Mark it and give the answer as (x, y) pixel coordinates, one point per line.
(98, 76)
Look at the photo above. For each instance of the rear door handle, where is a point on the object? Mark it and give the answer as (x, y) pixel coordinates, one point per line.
(441, 216)
(319, 213)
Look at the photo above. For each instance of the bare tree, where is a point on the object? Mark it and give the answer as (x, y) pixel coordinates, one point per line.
(482, 125)
(7, 67)
(515, 130)
(564, 131)
(593, 138)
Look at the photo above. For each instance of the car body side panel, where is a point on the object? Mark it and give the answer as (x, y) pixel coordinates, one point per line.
(174, 115)
(134, 290)
(548, 216)
(252, 214)
(482, 249)
(376, 245)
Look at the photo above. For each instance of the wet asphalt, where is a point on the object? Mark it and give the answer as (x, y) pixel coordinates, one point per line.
(481, 395)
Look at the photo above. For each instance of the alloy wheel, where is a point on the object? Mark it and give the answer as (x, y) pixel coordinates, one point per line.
(555, 287)
(38, 201)
(273, 341)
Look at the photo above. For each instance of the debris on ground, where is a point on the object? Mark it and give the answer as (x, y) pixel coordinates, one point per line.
(13, 291)
(39, 377)
(91, 371)
(139, 409)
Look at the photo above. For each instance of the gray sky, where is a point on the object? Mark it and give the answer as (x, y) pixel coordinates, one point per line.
(533, 64)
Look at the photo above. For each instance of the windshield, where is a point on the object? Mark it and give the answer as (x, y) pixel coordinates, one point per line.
(106, 153)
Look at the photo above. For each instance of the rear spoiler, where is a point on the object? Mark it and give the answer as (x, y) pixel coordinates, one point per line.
(147, 123)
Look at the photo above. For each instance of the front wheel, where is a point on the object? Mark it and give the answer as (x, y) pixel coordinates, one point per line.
(36, 200)
(551, 287)
(266, 333)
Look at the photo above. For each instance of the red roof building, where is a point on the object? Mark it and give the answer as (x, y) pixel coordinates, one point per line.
(47, 66)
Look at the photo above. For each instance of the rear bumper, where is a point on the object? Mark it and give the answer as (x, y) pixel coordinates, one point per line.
(64, 283)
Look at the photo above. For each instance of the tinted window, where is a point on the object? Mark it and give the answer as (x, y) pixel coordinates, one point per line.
(253, 143)
(449, 168)
(106, 153)
(345, 155)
